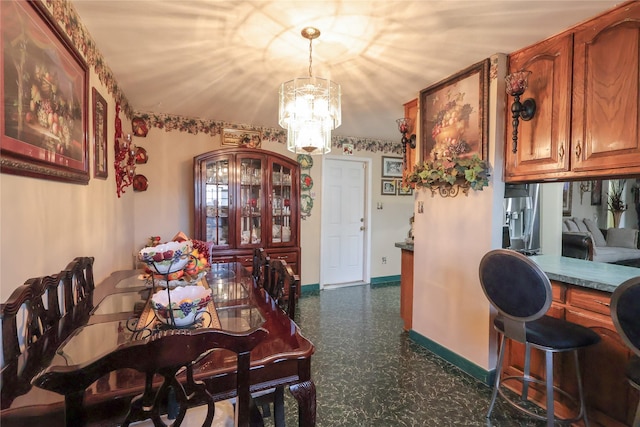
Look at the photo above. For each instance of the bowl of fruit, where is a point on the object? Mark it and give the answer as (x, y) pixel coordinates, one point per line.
(181, 306)
(168, 257)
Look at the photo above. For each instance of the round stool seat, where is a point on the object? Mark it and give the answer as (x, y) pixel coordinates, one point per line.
(555, 334)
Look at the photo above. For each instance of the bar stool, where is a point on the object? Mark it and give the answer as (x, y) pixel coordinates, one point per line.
(625, 309)
(521, 293)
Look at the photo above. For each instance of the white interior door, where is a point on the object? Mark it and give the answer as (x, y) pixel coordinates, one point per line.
(345, 228)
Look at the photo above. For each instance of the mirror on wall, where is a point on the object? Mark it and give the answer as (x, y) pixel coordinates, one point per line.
(612, 203)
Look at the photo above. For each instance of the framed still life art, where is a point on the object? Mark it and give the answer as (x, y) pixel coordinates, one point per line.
(100, 169)
(454, 115)
(45, 94)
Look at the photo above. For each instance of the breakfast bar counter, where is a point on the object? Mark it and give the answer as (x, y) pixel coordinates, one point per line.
(587, 274)
(582, 294)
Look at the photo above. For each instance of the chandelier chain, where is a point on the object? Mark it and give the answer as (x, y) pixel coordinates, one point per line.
(310, 56)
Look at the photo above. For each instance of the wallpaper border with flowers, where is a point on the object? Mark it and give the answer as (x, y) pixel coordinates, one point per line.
(66, 16)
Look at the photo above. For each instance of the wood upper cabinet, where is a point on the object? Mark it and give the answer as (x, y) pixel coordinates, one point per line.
(411, 155)
(585, 83)
(543, 141)
(245, 199)
(606, 105)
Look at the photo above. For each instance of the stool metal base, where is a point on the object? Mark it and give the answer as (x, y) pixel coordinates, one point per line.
(526, 379)
(518, 405)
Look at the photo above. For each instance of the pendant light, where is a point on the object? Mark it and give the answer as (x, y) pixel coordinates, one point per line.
(309, 108)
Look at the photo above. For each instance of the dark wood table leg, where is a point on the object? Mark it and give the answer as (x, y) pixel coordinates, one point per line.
(73, 411)
(278, 407)
(305, 394)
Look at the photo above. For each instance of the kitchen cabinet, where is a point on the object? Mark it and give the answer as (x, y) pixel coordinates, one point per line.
(411, 155)
(610, 400)
(406, 288)
(585, 83)
(606, 102)
(542, 141)
(245, 199)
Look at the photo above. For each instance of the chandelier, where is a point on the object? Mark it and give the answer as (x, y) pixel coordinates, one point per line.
(309, 108)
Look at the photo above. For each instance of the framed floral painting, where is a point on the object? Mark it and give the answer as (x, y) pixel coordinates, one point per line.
(46, 84)
(100, 169)
(454, 115)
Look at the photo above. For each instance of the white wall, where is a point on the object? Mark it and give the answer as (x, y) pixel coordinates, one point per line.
(451, 236)
(167, 206)
(45, 224)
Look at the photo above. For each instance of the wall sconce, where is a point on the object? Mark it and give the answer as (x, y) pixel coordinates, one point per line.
(125, 157)
(585, 187)
(404, 125)
(516, 85)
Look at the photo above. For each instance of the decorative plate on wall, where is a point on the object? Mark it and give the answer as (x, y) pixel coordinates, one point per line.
(139, 127)
(141, 156)
(305, 160)
(140, 183)
(306, 182)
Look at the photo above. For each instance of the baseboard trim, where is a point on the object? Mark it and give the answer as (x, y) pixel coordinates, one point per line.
(311, 289)
(470, 368)
(385, 281)
(314, 288)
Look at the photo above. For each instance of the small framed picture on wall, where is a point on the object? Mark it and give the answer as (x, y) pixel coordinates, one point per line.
(392, 167)
(403, 191)
(388, 187)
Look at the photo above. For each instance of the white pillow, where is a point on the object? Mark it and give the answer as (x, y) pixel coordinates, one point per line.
(598, 237)
(622, 238)
(571, 225)
(581, 226)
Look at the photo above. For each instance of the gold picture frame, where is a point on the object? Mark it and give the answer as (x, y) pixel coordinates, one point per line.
(454, 115)
(242, 138)
(44, 130)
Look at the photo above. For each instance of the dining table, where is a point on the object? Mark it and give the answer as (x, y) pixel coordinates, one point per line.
(122, 312)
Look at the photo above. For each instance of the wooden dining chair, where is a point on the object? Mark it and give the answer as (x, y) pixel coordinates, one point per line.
(281, 277)
(169, 355)
(261, 268)
(30, 332)
(170, 351)
(283, 286)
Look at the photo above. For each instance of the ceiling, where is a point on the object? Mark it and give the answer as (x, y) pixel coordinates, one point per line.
(224, 60)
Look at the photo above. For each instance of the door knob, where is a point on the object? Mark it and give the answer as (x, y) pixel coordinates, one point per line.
(362, 228)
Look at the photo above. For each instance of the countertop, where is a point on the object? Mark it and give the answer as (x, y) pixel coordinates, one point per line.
(404, 245)
(589, 274)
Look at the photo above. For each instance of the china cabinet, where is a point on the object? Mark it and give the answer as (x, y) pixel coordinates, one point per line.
(585, 82)
(247, 198)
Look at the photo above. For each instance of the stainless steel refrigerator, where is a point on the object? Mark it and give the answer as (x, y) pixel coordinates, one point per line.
(521, 228)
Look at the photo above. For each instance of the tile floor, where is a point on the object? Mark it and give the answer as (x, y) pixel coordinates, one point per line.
(369, 373)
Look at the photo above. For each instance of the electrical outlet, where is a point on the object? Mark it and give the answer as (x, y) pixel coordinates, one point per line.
(384, 259)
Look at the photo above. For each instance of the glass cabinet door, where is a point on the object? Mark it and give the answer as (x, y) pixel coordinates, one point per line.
(217, 201)
(251, 202)
(281, 225)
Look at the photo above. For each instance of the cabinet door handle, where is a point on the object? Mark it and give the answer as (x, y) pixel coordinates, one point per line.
(606, 304)
(283, 256)
(578, 150)
(561, 151)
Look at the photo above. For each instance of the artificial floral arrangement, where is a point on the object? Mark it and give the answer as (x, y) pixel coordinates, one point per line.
(467, 172)
(615, 202)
